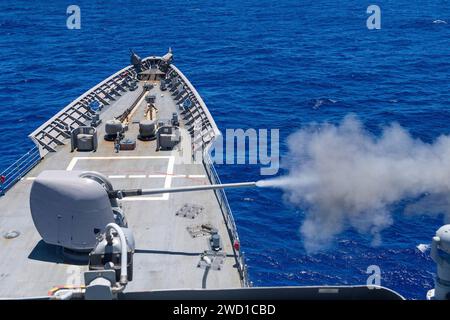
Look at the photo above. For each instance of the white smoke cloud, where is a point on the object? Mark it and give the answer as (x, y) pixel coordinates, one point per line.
(346, 177)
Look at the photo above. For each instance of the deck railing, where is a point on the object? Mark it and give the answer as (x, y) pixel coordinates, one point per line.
(208, 133)
(227, 213)
(19, 169)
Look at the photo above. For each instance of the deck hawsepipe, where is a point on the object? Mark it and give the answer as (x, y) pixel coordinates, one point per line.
(141, 192)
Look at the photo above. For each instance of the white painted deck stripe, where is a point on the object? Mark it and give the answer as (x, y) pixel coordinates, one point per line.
(74, 160)
(72, 164)
(137, 176)
(168, 181)
(167, 184)
(168, 176)
(196, 176)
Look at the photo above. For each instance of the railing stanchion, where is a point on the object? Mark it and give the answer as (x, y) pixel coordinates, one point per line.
(18, 169)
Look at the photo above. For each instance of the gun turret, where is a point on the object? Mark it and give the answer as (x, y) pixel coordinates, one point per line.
(67, 206)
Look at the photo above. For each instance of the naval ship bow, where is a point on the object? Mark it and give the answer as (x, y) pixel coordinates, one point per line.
(119, 199)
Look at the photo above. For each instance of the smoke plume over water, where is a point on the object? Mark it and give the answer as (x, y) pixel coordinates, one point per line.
(346, 177)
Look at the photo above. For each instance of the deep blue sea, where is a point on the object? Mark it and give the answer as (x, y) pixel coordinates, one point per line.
(257, 64)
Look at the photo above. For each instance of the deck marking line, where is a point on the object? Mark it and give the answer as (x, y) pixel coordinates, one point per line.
(136, 176)
(72, 163)
(156, 175)
(168, 176)
(167, 184)
(168, 181)
(74, 160)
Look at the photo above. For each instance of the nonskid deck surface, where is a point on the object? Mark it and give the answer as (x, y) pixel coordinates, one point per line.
(166, 254)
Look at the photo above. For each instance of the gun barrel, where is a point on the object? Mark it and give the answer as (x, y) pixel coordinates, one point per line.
(141, 192)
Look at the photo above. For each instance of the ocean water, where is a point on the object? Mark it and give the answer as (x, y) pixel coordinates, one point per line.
(257, 64)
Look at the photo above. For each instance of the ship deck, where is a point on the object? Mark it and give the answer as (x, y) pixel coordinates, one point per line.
(166, 255)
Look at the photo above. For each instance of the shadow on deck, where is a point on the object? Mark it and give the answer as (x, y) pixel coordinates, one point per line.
(50, 253)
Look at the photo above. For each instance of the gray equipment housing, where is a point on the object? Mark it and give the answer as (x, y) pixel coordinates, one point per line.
(150, 98)
(163, 85)
(99, 284)
(440, 253)
(110, 253)
(133, 85)
(175, 122)
(112, 129)
(135, 59)
(84, 139)
(148, 86)
(69, 210)
(215, 241)
(167, 137)
(95, 122)
(147, 130)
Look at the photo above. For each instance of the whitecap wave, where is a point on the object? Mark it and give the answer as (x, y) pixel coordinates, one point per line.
(317, 103)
